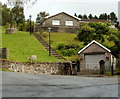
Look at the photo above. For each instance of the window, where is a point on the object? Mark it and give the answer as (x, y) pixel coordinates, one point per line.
(69, 23)
(55, 22)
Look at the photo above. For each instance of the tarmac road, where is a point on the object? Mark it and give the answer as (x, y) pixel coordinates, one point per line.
(31, 85)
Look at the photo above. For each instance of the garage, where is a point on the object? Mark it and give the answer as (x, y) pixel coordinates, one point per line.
(91, 55)
(92, 61)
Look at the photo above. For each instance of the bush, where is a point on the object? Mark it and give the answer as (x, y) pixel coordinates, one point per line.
(68, 49)
(68, 52)
(60, 46)
(21, 27)
(71, 46)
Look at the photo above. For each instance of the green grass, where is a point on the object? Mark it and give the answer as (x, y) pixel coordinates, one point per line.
(66, 38)
(3, 69)
(22, 45)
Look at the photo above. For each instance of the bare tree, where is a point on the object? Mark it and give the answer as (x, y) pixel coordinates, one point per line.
(20, 2)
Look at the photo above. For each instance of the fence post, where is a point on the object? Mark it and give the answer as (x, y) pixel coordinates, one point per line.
(4, 53)
(112, 73)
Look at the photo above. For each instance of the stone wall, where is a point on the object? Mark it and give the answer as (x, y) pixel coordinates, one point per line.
(54, 68)
(11, 30)
(57, 29)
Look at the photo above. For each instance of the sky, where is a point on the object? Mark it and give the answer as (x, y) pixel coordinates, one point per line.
(95, 7)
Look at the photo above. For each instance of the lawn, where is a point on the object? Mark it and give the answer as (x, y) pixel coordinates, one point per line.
(22, 45)
(66, 38)
(3, 69)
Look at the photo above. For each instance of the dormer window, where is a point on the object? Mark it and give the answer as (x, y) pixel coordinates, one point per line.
(55, 22)
(69, 23)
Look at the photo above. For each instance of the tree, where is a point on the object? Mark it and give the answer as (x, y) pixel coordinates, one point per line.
(27, 25)
(113, 17)
(41, 16)
(38, 18)
(108, 17)
(101, 28)
(105, 16)
(90, 16)
(17, 11)
(20, 2)
(93, 31)
(101, 16)
(115, 37)
(85, 16)
(18, 15)
(75, 15)
(6, 16)
(95, 17)
(79, 16)
(86, 34)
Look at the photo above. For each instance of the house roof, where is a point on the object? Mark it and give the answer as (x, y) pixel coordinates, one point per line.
(91, 44)
(64, 13)
(93, 20)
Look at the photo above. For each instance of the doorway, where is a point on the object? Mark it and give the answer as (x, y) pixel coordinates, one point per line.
(102, 66)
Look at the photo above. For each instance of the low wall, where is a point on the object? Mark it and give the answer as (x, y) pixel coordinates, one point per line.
(54, 68)
(58, 29)
(11, 30)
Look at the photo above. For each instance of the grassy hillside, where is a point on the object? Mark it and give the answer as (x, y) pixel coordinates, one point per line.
(22, 45)
(68, 38)
(65, 38)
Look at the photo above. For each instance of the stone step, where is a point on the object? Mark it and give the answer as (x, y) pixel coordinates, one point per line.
(54, 53)
(47, 46)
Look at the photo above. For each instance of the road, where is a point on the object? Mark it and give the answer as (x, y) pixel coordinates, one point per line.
(31, 85)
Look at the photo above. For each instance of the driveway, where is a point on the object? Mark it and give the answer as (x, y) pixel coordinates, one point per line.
(31, 85)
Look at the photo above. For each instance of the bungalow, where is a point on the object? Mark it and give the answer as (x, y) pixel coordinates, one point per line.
(61, 22)
(92, 20)
(96, 58)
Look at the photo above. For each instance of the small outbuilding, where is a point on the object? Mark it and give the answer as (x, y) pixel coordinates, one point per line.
(96, 58)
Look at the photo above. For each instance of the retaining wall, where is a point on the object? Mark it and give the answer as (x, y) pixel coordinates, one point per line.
(55, 68)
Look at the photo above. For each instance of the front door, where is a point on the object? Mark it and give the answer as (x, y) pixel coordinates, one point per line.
(102, 66)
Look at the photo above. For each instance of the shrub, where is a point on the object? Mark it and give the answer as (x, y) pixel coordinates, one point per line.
(60, 46)
(68, 49)
(68, 52)
(71, 46)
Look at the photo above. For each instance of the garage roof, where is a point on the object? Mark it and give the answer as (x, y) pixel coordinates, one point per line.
(91, 44)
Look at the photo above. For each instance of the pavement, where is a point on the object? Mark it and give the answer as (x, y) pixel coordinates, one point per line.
(34, 85)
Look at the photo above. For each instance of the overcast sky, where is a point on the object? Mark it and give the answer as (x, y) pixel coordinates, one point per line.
(94, 7)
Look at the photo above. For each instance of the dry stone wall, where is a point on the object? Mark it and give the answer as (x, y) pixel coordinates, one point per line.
(54, 68)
